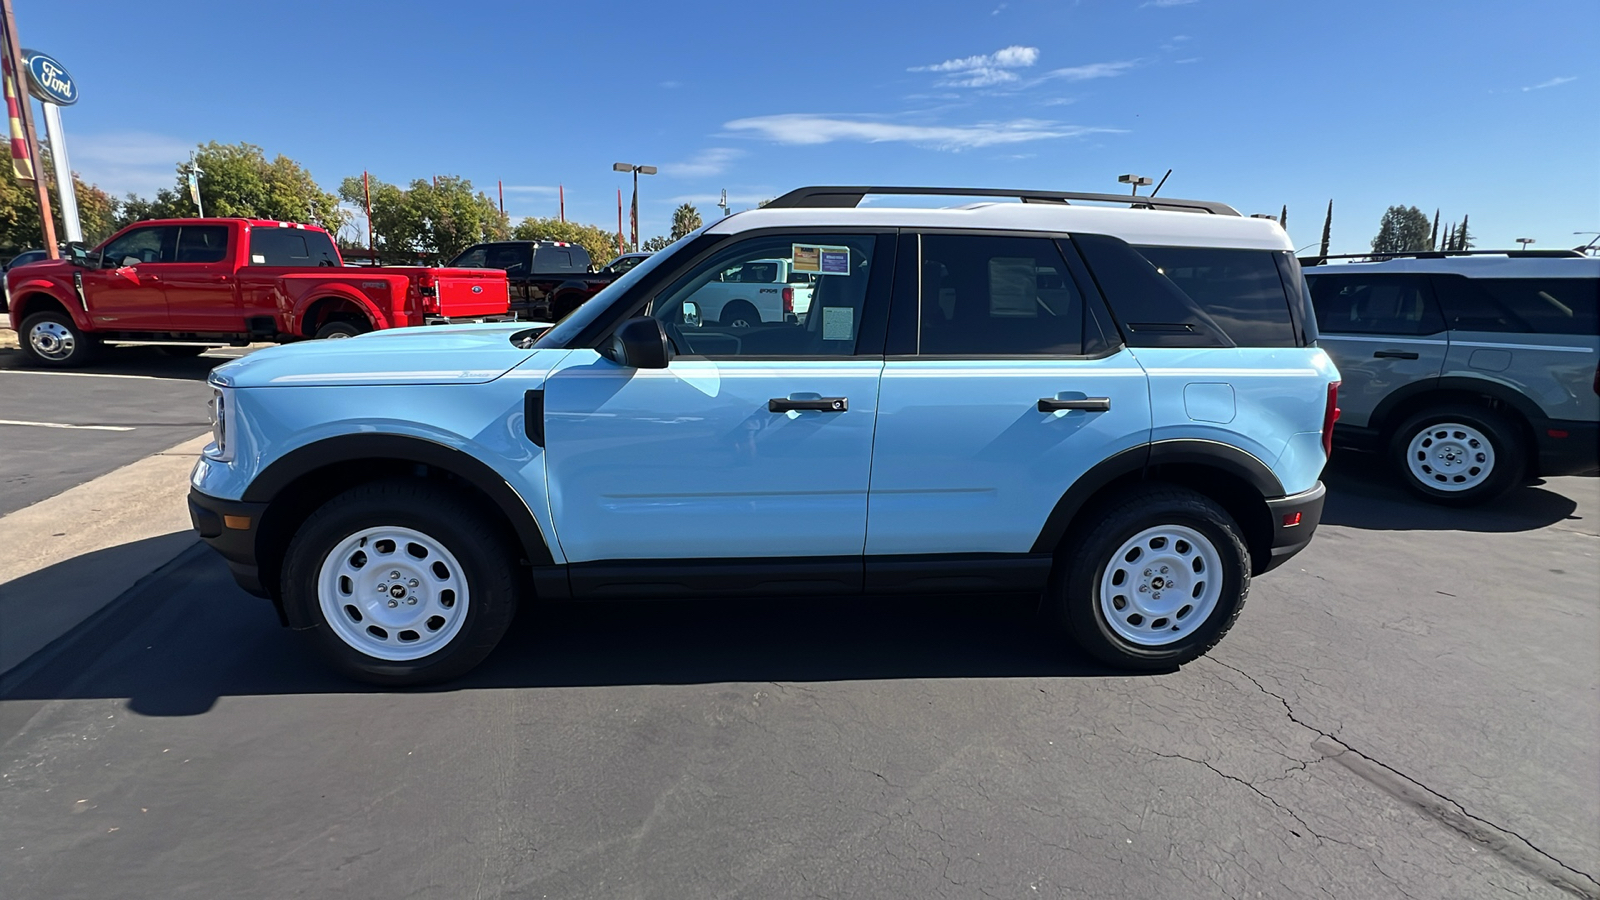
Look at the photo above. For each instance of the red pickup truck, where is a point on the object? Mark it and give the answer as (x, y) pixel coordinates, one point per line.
(192, 282)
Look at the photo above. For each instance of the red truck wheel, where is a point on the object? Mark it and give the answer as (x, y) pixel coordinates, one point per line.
(341, 329)
(53, 339)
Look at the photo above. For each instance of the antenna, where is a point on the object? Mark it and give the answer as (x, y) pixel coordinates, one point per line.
(1161, 182)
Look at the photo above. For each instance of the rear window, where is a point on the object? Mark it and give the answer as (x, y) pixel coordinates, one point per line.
(570, 258)
(1240, 289)
(291, 247)
(202, 243)
(1547, 305)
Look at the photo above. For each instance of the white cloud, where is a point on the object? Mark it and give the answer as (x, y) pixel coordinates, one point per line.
(1092, 70)
(120, 162)
(985, 69)
(803, 128)
(709, 162)
(997, 10)
(531, 189)
(1552, 83)
(1184, 62)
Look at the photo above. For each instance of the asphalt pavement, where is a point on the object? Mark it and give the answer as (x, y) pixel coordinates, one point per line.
(59, 428)
(1407, 709)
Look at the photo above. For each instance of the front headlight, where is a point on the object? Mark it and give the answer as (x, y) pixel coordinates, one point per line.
(220, 408)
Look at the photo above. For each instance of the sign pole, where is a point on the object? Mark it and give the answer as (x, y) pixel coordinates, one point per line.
(13, 52)
(366, 188)
(64, 181)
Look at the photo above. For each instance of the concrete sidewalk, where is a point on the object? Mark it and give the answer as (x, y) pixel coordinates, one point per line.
(65, 558)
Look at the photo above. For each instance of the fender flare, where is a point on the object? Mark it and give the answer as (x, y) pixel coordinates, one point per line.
(340, 292)
(352, 447)
(1137, 461)
(1510, 396)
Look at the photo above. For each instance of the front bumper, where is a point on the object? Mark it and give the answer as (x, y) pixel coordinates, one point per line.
(1294, 520)
(230, 528)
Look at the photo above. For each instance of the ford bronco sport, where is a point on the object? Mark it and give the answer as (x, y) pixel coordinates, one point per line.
(1121, 410)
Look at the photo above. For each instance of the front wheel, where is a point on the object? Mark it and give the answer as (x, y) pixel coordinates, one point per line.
(1155, 581)
(53, 339)
(403, 583)
(1457, 455)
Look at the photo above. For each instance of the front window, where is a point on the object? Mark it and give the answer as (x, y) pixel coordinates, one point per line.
(142, 245)
(739, 301)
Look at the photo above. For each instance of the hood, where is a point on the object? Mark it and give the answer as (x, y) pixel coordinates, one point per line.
(441, 354)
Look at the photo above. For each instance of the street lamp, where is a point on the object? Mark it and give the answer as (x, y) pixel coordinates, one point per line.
(637, 171)
(1136, 180)
(1525, 242)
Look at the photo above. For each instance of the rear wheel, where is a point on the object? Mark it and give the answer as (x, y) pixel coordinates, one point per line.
(740, 314)
(342, 328)
(53, 339)
(1155, 581)
(404, 583)
(1458, 455)
(562, 305)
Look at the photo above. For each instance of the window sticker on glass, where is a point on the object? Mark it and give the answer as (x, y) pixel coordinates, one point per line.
(820, 260)
(838, 322)
(1013, 288)
(258, 259)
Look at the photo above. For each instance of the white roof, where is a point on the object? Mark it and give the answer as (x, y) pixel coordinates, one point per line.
(1474, 266)
(1136, 226)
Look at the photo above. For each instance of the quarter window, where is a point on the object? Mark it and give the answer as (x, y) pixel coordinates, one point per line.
(709, 313)
(1240, 289)
(1547, 305)
(997, 296)
(1374, 304)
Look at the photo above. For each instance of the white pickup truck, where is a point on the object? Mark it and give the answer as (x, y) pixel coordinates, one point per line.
(762, 290)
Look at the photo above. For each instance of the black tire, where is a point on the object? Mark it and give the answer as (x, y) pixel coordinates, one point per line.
(61, 344)
(341, 328)
(184, 351)
(563, 305)
(739, 314)
(484, 552)
(1074, 595)
(1506, 456)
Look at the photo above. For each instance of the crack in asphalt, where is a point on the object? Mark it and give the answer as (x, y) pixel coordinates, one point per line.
(1503, 842)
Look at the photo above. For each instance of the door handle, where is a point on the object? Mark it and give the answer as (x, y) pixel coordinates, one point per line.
(1091, 404)
(1394, 354)
(820, 404)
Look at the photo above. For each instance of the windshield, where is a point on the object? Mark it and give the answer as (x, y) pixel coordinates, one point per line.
(579, 319)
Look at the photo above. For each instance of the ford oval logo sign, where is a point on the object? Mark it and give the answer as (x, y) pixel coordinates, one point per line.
(48, 80)
(477, 289)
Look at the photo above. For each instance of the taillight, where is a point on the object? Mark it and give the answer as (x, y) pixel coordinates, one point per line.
(429, 290)
(1330, 415)
(788, 300)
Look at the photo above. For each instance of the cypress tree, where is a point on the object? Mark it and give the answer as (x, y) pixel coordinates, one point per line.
(1434, 239)
(1327, 229)
(1283, 218)
(1464, 237)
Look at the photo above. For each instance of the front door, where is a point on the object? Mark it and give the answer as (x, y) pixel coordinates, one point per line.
(126, 293)
(1013, 388)
(200, 285)
(755, 443)
(1384, 332)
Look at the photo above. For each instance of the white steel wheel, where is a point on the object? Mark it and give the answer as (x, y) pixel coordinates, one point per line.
(393, 593)
(1161, 585)
(1450, 456)
(52, 340)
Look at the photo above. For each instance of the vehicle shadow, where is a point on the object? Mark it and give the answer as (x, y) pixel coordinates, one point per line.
(1363, 494)
(149, 361)
(188, 636)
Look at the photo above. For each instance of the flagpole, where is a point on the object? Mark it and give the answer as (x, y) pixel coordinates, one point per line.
(13, 53)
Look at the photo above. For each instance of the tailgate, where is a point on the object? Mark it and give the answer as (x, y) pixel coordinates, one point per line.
(472, 292)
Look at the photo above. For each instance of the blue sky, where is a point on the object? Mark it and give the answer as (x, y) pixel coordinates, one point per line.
(1486, 108)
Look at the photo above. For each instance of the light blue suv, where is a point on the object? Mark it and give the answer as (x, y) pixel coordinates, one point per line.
(1121, 410)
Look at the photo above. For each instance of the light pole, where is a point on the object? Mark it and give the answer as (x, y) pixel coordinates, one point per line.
(1525, 242)
(637, 171)
(1137, 181)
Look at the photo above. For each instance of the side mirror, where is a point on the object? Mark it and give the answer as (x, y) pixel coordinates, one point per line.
(691, 314)
(641, 343)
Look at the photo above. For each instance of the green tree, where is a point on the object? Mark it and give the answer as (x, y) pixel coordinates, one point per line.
(1327, 229)
(600, 243)
(684, 220)
(20, 228)
(1433, 236)
(1401, 229)
(433, 218)
(656, 244)
(1283, 218)
(239, 180)
(1463, 236)
(134, 208)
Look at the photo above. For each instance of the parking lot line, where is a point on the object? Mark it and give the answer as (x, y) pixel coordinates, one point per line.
(62, 425)
(90, 375)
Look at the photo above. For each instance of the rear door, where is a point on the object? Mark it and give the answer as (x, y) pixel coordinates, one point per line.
(1000, 390)
(200, 288)
(126, 293)
(1384, 332)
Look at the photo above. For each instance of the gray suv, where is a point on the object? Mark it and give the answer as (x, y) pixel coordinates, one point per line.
(1471, 371)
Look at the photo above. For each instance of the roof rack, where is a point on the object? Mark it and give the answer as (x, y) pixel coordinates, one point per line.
(848, 197)
(1441, 254)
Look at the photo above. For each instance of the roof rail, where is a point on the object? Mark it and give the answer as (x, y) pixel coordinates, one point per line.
(1441, 254)
(848, 197)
